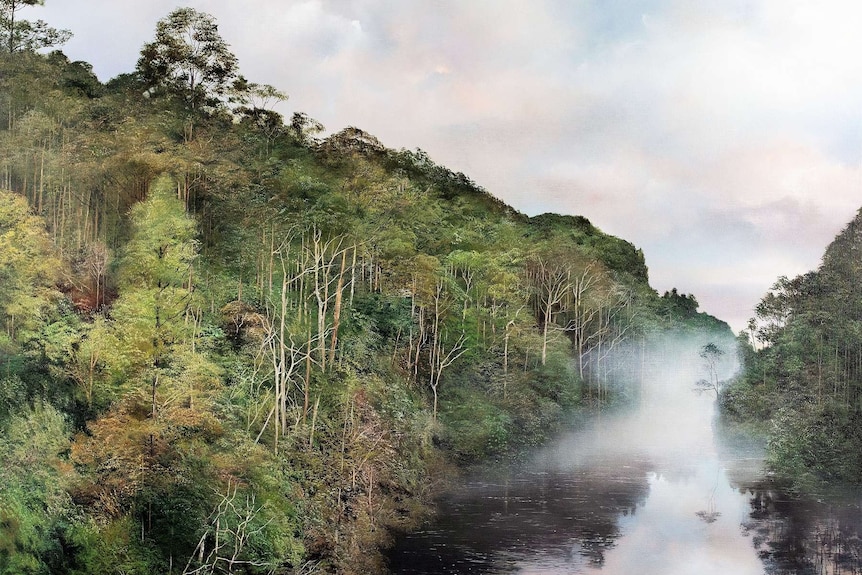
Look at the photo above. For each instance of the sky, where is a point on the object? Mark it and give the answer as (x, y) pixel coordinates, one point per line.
(724, 138)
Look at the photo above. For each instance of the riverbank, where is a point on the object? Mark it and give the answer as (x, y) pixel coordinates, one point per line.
(798, 525)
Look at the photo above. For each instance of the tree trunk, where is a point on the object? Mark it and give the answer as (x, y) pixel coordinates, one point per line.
(336, 314)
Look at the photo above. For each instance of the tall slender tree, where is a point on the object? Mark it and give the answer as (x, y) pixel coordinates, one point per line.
(189, 59)
(18, 34)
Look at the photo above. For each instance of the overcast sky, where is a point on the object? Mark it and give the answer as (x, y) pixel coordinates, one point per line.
(723, 138)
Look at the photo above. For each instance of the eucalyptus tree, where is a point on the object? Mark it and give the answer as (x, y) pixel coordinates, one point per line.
(189, 59)
(711, 354)
(17, 34)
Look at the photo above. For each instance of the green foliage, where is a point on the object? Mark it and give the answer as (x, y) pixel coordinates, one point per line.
(113, 547)
(29, 270)
(250, 329)
(806, 376)
(188, 58)
(615, 253)
(155, 276)
(475, 426)
(77, 77)
(33, 504)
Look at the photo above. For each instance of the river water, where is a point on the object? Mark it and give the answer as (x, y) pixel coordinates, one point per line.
(655, 489)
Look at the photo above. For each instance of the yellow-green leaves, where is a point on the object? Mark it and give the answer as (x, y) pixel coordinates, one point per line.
(156, 276)
(29, 269)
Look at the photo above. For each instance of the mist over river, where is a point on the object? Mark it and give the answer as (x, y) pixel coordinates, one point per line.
(652, 489)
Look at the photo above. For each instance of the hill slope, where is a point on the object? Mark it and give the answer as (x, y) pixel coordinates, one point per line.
(806, 378)
(228, 340)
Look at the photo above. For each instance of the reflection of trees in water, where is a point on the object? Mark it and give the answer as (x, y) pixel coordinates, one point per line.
(565, 510)
(777, 532)
(710, 514)
(795, 536)
(572, 517)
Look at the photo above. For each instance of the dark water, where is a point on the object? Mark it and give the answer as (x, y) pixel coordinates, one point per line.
(652, 490)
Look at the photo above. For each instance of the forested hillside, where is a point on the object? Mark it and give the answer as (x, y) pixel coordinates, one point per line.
(805, 379)
(229, 345)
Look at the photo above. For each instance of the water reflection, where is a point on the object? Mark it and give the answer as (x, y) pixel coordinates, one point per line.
(805, 536)
(794, 535)
(655, 490)
(636, 492)
(557, 519)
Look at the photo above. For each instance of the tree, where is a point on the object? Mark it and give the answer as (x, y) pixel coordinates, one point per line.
(89, 357)
(188, 59)
(551, 282)
(156, 282)
(17, 35)
(711, 354)
(328, 284)
(146, 465)
(29, 269)
(303, 128)
(614, 317)
(33, 503)
(286, 351)
(97, 262)
(582, 315)
(439, 356)
(776, 308)
(227, 544)
(256, 102)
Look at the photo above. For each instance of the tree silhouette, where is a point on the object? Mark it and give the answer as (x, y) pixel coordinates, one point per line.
(188, 58)
(711, 354)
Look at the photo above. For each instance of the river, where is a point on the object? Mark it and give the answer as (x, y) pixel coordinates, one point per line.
(655, 489)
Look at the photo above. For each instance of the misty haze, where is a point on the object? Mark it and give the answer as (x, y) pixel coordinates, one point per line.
(345, 288)
(658, 487)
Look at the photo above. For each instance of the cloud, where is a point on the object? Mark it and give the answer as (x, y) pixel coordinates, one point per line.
(723, 138)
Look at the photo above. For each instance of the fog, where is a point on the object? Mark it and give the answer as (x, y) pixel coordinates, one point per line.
(690, 521)
(642, 489)
(670, 423)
